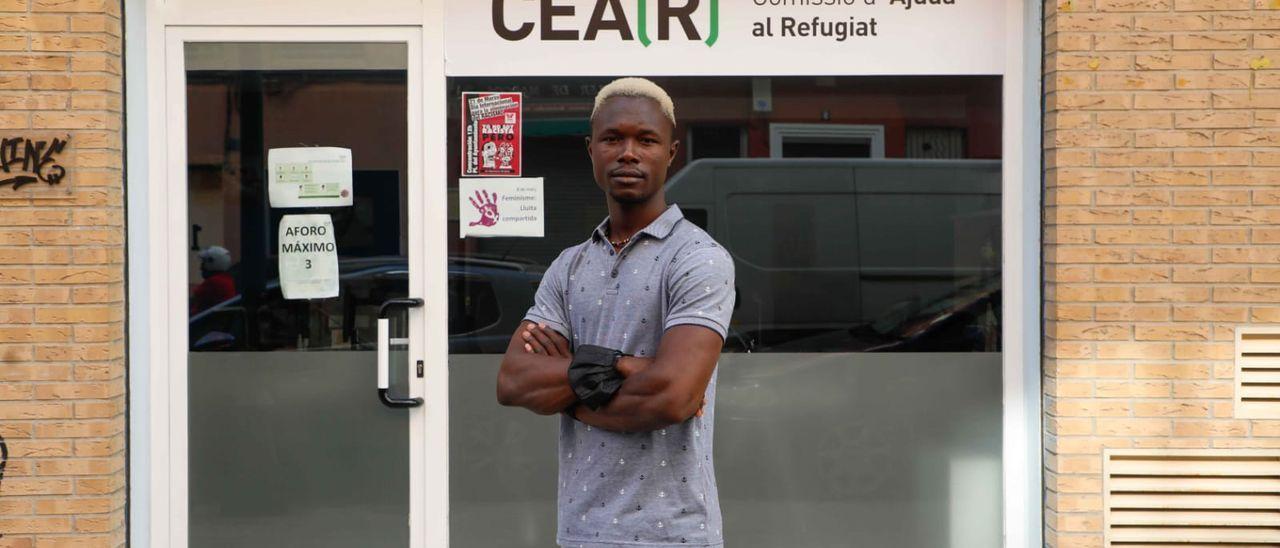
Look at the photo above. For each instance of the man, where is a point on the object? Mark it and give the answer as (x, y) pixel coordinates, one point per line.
(218, 285)
(635, 434)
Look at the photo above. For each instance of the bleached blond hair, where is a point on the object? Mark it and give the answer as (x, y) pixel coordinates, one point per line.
(636, 87)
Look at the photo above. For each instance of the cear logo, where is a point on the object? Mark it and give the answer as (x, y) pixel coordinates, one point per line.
(609, 15)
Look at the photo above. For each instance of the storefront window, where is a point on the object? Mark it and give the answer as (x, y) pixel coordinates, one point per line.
(860, 385)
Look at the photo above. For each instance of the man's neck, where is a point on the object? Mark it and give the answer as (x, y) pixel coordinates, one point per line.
(627, 219)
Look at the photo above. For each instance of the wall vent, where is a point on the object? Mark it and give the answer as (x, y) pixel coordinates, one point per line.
(1257, 373)
(1227, 498)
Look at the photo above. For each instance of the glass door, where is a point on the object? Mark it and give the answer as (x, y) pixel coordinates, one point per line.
(298, 190)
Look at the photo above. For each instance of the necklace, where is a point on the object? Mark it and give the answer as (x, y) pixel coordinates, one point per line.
(623, 242)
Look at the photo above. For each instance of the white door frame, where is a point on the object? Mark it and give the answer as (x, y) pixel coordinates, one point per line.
(152, 295)
(168, 504)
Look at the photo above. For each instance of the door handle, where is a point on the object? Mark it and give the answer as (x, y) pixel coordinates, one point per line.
(384, 349)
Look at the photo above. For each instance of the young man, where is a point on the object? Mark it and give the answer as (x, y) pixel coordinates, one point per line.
(623, 339)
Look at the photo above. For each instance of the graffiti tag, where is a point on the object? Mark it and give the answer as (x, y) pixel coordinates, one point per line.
(24, 161)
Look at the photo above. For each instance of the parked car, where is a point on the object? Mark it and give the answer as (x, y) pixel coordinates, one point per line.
(851, 254)
(487, 299)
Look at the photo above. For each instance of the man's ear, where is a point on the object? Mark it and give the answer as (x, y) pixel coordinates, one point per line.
(587, 140)
(675, 147)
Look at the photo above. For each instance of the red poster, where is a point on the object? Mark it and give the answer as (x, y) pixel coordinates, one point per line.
(491, 134)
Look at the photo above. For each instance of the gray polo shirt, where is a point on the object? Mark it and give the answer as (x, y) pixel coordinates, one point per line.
(642, 488)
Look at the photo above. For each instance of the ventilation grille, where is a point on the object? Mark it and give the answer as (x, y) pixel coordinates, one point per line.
(1257, 373)
(1177, 497)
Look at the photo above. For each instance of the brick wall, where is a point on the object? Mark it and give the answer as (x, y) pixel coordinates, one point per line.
(62, 381)
(1162, 231)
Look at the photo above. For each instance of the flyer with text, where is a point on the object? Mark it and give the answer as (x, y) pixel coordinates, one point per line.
(491, 131)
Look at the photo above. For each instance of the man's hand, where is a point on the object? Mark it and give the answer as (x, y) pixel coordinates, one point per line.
(540, 339)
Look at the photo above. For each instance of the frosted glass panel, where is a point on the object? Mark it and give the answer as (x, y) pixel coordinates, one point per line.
(294, 449)
(811, 450)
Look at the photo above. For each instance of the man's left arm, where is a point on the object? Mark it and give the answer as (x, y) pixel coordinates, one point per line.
(669, 388)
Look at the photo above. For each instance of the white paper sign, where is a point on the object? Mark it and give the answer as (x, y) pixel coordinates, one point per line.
(309, 177)
(308, 257)
(726, 37)
(500, 207)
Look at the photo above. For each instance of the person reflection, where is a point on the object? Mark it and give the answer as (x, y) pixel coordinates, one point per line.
(218, 285)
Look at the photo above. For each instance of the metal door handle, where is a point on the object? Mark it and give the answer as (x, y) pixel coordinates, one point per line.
(384, 349)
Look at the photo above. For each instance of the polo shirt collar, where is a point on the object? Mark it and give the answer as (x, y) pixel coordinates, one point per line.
(659, 228)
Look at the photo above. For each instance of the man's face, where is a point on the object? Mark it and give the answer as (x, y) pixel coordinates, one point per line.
(631, 148)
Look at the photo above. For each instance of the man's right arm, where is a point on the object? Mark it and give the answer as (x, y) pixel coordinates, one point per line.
(534, 381)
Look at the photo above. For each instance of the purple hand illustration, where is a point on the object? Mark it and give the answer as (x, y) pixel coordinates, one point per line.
(487, 205)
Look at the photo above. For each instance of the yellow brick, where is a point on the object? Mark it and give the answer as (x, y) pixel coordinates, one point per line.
(1191, 236)
(1132, 389)
(1134, 427)
(1202, 351)
(77, 391)
(17, 526)
(1087, 254)
(1213, 119)
(33, 62)
(1177, 294)
(1079, 484)
(1211, 41)
(1203, 389)
(1134, 313)
(1164, 139)
(1174, 61)
(1170, 177)
(1089, 61)
(1244, 216)
(1132, 158)
(1131, 274)
(1173, 100)
(1134, 350)
(1136, 80)
(1170, 443)
(1217, 5)
(77, 467)
(1246, 294)
(1209, 428)
(1090, 408)
(1246, 138)
(1171, 409)
(79, 428)
(1183, 371)
(1134, 120)
(1070, 41)
(1214, 313)
(1085, 215)
(1171, 333)
(1210, 274)
(95, 23)
(1091, 138)
(1266, 40)
(1247, 21)
(1211, 158)
(86, 6)
(1089, 369)
(1211, 197)
(1182, 22)
(1245, 99)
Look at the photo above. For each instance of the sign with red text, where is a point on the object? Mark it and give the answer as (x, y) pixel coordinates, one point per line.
(491, 124)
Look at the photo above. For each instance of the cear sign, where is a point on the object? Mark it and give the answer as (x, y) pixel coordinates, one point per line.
(614, 20)
(308, 257)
